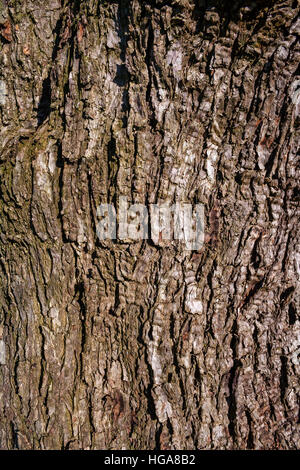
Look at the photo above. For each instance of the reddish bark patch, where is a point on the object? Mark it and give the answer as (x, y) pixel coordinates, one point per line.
(80, 32)
(5, 31)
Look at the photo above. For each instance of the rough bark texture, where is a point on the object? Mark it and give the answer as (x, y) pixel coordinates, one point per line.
(145, 345)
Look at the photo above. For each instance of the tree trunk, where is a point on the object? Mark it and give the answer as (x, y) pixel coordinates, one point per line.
(123, 344)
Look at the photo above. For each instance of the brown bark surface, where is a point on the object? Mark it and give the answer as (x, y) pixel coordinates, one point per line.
(144, 345)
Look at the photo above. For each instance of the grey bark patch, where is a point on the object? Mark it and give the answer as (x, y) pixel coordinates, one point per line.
(3, 92)
(2, 352)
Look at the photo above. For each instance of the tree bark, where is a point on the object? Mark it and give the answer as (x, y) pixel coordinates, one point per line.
(143, 344)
